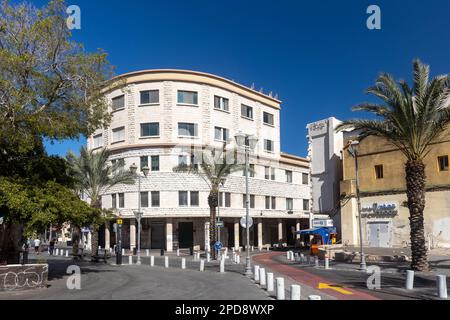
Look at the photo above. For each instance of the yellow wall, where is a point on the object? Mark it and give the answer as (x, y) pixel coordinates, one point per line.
(375, 151)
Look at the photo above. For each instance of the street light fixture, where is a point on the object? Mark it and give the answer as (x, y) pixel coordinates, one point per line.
(353, 150)
(248, 142)
(138, 214)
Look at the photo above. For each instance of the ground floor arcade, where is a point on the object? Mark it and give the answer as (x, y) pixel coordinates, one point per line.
(172, 233)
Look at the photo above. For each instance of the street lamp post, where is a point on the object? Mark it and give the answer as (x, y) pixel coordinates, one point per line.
(248, 142)
(138, 214)
(353, 149)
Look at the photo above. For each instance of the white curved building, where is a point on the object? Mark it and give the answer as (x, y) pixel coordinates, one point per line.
(157, 118)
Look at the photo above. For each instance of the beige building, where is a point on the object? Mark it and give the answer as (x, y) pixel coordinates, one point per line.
(383, 199)
(157, 118)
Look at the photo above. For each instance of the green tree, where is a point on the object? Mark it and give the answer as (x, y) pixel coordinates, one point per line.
(214, 166)
(94, 177)
(411, 119)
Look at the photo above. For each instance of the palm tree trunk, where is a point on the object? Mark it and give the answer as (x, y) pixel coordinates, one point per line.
(415, 191)
(213, 201)
(94, 243)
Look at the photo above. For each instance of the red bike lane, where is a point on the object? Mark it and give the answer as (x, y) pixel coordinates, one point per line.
(311, 280)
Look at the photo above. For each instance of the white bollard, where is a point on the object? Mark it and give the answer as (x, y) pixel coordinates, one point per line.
(99, 248)
(67, 253)
(61, 253)
(280, 288)
(295, 292)
(268, 248)
(409, 279)
(130, 259)
(253, 248)
(256, 273)
(441, 282)
(327, 263)
(166, 261)
(202, 265)
(178, 252)
(262, 276)
(208, 257)
(316, 261)
(222, 265)
(152, 261)
(269, 285)
(195, 255)
(123, 252)
(238, 259)
(183, 263)
(56, 252)
(288, 255)
(147, 252)
(234, 257)
(314, 297)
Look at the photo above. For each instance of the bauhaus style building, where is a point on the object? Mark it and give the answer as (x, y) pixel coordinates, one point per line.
(157, 118)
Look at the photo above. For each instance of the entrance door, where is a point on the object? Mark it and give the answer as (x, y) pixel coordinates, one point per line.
(185, 234)
(157, 235)
(379, 236)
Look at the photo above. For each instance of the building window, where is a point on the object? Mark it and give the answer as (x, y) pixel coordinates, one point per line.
(155, 198)
(144, 162)
(227, 199)
(121, 200)
(252, 200)
(268, 118)
(221, 134)
(150, 129)
(246, 111)
(289, 203)
(272, 173)
(117, 164)
(305, 178)
(118, 103)
(194, 198)
(187, 97)
(182, 198)
(379, 171)
(267, 202)
(118, 134)
(268, 145)
(155, 163)
(182, 160)
(149, 96)
(98, 141)
(144, 199)
(443, 163)
(220, 103)
(220, 199)
(114, 201)
(288, 176)
(251, 170)
(187, 129)
(274, 203)
(305, 205)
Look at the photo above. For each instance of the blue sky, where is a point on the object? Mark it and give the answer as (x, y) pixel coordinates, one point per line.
(318, 56)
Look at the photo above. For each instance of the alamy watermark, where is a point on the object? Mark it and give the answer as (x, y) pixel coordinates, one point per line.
(374, 20)
(74, 280)
(374, 280)
(73, 21)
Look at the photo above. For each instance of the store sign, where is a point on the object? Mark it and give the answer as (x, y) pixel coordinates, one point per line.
(318, 128)
(386, 209)
(320, 223)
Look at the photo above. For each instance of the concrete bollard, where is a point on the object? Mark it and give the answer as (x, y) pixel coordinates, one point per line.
(56, 252)
(195, 255)
(327, 263)
(441, 282)
(268, 248)
(152, 261)
(61, 253)
(409, 279)
(314, 297)
(99, 248)
(222, 265)
(280, 288)
(178, 252)
(238, 259)
(295, 292)
(316, 261)
(256, 273)
(269, 284)
(208, 257)
(288, 255)
(234, 257)
(166, 261)
(262, 276)
(147, 252)
(183, 263)
(123, 252)
(130, 259)
(253, 248)
(67, 253)
(202, 265)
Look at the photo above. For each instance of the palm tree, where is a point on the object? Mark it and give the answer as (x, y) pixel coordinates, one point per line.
(411, 119)
(214, 169)
(94, 177)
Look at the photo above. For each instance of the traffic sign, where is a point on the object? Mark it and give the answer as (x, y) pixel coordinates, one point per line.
(219, 224)
(119, 221)
(218, 245)
(244, 222)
